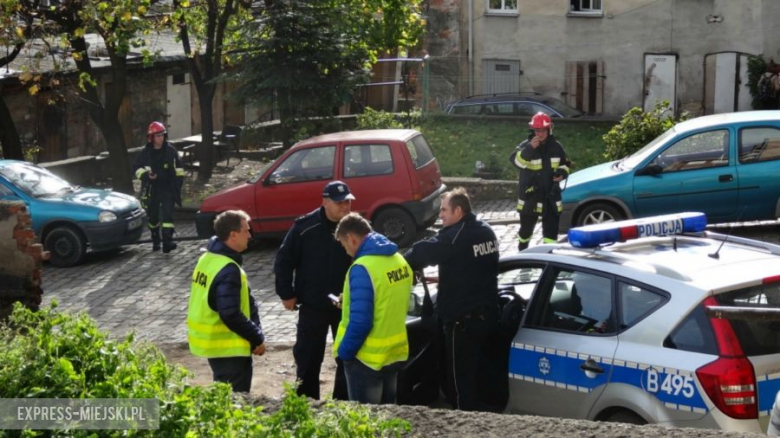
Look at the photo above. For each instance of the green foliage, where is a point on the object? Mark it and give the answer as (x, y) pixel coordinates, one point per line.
(756, 68)
(48, 354)
(307, 57)
(373, 119)
(637, 128)
(31, 152)
(459, 144)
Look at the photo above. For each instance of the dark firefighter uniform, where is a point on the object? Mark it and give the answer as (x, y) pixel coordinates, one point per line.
(159, 195)
(311, 264)
(537, 193)
(467, 303)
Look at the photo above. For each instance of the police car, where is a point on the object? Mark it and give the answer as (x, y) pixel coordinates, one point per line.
(620, 325)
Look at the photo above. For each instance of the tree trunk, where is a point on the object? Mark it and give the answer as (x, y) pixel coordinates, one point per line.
(205, 152)
(118, 164)
(106, 116)
(9, 137)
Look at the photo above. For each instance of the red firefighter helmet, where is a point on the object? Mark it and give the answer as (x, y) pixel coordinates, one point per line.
(540, 121)
(155, 128)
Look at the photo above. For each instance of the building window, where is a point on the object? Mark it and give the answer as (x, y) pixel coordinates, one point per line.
(505, 6)
(585, 7)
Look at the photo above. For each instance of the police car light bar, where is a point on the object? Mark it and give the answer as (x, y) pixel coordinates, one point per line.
(591, 236)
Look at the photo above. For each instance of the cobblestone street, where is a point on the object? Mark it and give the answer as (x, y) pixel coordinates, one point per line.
(137, 289)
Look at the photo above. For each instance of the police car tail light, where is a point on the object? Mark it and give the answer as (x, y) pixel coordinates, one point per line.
(729, 381)
(591, 236)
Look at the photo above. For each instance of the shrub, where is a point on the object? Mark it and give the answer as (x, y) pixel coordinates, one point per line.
(373, 119)
(48, 354)
(756, 68)
(637, 128)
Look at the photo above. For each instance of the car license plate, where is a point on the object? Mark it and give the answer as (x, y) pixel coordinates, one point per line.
(135, 223)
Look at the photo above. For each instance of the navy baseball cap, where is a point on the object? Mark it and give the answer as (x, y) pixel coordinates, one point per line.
(337, 191)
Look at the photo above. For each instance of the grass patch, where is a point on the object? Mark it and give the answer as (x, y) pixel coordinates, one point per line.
(459, 143)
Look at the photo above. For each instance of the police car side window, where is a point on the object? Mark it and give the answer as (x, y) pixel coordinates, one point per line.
(578, 302)
(636, 303)
(693, 334)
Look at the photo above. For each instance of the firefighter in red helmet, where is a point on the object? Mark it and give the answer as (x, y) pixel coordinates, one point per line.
(159, 168)
(542, 164)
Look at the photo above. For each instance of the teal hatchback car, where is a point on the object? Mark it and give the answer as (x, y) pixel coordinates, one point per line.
(724, 165)
(69, 219)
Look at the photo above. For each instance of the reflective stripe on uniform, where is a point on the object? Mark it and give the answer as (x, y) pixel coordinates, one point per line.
(153, 226)
(167, 224)
(525, 164)
(520, 204)
(179, 171)
(524, 240)
(141, 171)
(548, 240)
(559, 206)
(539, 207)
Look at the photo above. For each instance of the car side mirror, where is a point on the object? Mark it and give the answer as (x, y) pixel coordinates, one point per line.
(651, 169)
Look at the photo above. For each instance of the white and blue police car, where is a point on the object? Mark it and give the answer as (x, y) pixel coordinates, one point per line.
(619, 326)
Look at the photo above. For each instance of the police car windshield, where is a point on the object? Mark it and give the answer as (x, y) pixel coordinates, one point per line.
(639, 156)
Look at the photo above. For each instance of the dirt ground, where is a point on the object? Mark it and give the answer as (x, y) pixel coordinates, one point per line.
(271, 370)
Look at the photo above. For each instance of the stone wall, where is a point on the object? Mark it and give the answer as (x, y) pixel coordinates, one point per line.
(482, 189)
(20, 259)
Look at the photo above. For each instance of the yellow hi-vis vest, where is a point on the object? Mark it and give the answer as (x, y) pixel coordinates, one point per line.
(208, 336)
(386, 343)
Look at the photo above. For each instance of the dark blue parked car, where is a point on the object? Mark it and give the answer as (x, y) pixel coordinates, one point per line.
(724, 165)
(69, 219)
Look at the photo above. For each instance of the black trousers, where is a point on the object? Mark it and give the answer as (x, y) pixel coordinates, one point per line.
(236, 371)
(465, 341)
(160, 207)
(550, 220)
(309, 352)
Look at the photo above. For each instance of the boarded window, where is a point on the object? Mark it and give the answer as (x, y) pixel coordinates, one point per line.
(585, 86)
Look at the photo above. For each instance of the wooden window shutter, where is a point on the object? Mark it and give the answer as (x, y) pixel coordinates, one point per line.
(585, 86)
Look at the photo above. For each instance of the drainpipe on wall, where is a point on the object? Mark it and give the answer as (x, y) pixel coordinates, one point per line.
(471, 48)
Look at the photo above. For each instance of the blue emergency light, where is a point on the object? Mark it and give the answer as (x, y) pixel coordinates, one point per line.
(591, 236)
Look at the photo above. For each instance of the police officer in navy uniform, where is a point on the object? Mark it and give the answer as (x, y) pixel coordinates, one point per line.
(310, 265)
(466, 251)
(159, 168)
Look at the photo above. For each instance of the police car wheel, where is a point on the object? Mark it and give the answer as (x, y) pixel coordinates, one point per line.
(66, 245)
(397, 225)
(625, 417)
(599, 213)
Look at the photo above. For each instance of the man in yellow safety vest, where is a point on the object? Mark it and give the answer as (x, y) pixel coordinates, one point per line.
(371, 338)
(222, 321)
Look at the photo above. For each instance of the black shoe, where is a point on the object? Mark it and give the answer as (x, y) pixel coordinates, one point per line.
(169, 247)
(155, 239)
(522, 245)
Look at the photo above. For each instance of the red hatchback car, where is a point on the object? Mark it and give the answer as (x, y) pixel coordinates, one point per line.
(393, 174)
